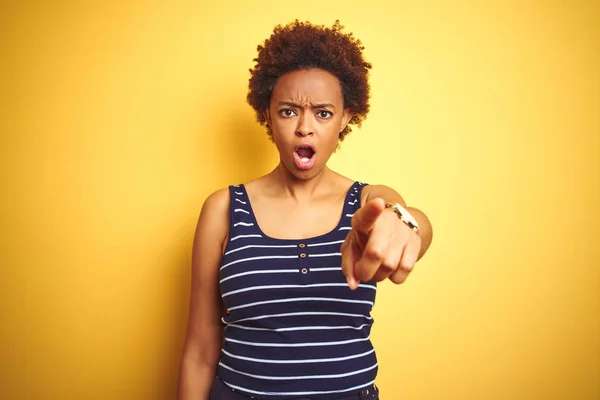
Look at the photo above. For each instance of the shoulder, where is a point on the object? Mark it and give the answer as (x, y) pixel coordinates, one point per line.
(215, 211)
(213, 223)
(217, 201)
(343, 182)
(370, 192)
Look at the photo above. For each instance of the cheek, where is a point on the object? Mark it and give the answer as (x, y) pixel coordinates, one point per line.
(333, 130)
(333, 144)
(282, 127)
(330, 140)
(280, 138)
(277, 139)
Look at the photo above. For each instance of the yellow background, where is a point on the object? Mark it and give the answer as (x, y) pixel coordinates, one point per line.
(119, 118)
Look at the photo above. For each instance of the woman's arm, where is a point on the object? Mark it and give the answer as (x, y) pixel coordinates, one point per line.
(389, 195)
(204, 332)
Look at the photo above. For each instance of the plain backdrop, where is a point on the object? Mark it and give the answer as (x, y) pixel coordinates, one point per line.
(118, 119)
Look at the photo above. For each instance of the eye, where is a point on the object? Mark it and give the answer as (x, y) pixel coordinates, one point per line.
(287, 112)
(324, 114)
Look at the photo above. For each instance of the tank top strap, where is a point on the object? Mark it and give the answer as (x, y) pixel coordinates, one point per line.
(352, 202)
(241, 218)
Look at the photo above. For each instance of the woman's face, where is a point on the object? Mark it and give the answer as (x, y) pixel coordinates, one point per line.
(306, 116)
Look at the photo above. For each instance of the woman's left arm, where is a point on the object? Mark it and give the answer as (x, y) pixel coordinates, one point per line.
(382, 244)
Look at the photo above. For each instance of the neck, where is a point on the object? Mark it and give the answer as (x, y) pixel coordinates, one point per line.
(301, 188)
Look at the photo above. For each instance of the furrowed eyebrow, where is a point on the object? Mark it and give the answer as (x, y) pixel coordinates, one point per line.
(324, 105)
(292, 104)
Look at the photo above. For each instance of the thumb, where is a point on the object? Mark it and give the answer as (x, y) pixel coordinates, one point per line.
(367, 215)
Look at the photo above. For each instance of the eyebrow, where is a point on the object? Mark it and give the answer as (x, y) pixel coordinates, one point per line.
(292, 104)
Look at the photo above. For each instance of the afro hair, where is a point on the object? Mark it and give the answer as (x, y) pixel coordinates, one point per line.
(302, 45)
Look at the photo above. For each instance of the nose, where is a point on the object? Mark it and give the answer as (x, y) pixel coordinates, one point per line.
(305, 127)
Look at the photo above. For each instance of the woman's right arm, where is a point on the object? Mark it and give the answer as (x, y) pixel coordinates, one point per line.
(204, 332)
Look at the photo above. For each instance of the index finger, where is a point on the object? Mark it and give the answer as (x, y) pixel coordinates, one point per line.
(366, 216)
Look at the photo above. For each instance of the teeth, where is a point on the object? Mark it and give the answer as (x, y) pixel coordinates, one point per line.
(304, 159)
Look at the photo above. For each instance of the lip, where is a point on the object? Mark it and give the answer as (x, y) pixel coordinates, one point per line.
(302, 165)
(305, 145)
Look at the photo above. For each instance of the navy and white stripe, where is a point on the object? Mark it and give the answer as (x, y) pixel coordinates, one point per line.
(293, 327)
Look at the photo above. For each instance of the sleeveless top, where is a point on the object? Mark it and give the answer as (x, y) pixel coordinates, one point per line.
(293, 327)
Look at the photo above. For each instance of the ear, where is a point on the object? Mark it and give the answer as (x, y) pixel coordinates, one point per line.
(346, 117)
(267, 115)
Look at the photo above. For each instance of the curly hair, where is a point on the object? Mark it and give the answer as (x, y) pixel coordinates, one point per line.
(302, 45)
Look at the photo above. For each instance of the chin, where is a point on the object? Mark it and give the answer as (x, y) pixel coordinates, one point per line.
(302, 175)
(306, 175)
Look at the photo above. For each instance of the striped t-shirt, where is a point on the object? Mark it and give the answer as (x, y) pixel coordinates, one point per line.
(293, 327)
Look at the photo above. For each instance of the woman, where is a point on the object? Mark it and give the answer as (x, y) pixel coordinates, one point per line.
(285, 267)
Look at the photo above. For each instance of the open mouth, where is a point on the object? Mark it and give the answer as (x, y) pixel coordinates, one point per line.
(304, 155)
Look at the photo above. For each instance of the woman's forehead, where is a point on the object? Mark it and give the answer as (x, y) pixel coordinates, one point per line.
(308, 86)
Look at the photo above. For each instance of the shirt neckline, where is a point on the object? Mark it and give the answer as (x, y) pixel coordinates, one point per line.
(308, 239)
